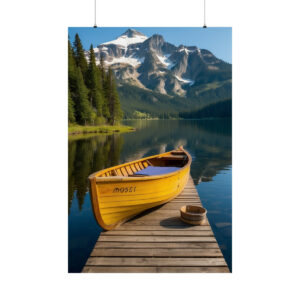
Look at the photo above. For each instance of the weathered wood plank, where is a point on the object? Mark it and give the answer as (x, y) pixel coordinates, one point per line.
(158, 233)
(157, 238)
(101, 269)
(165, 222)
(157, 252)
(190, 194)
(174, 205)
(162, 217)
(145, 245)
(187, 194)
(156, 261)
(188, 202)
(185, 199)
(129, 226)
(159, 214)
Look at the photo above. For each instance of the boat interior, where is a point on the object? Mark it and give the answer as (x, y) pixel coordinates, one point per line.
(161, 164)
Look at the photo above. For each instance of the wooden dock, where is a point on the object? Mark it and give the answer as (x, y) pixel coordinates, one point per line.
(157, 241)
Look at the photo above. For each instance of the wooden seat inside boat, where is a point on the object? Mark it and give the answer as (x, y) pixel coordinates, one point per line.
(152, 171)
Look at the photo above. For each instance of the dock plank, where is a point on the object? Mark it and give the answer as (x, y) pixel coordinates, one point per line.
(128, 226)
(156, 261)
(136, 269)
(157, 241)
(158, 233)
(193, 245)
(170, 222)
(157, 252)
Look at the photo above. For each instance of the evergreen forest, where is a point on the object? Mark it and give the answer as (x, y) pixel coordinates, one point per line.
(92, 92)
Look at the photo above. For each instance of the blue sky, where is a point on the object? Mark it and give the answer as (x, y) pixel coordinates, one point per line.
(218, 40)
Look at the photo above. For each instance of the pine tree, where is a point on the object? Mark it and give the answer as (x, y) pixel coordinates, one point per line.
(102, 69)
(71, 111)
(105, 109)
(118, 113)
(94, 84)
(71, 69)
(115, 112)
(79, 55)
(83, 109)
(107, 93)
(104, 80)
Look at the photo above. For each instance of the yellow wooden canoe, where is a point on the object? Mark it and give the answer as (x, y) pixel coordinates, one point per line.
(121, 192)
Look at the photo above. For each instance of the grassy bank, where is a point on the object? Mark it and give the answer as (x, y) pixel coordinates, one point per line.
(102, 129)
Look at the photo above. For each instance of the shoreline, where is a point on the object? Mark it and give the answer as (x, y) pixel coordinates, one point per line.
(204, 118)
(101, 129)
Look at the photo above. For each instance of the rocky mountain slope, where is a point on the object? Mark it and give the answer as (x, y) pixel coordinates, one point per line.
(154, 65)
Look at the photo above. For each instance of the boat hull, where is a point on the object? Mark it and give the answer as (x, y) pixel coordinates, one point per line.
(117, 199)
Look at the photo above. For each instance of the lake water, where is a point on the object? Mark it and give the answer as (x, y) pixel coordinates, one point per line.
(209, 143)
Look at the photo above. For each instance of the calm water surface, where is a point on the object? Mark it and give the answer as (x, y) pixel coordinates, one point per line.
(209, 143)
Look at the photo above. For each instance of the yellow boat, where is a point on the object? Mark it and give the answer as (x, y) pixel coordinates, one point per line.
(121, 192)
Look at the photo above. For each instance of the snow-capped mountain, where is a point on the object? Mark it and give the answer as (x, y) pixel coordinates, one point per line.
(152, 63)
(127, 38)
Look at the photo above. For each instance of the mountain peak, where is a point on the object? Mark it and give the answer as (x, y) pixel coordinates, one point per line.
(132, 33)
(157, 37)
(130, 36)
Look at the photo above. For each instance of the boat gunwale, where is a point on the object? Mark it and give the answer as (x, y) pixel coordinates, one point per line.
(139, 178)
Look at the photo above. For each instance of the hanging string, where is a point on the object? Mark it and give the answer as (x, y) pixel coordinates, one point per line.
(204, 26)
(95, 24)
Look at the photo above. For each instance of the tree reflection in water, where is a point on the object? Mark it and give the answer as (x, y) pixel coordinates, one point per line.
(87, 156)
